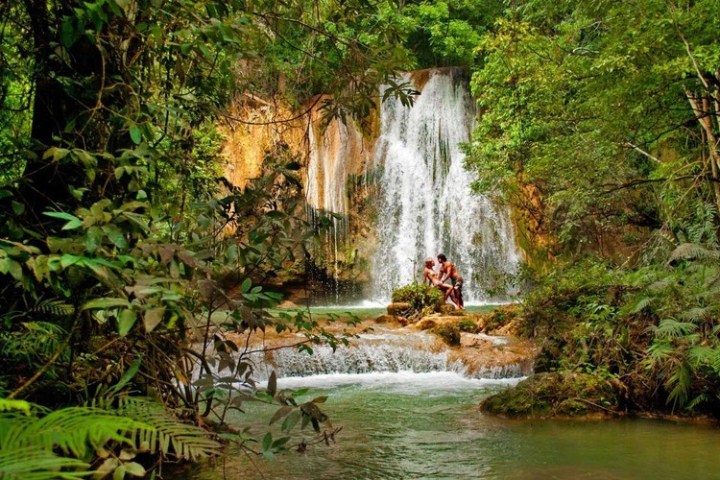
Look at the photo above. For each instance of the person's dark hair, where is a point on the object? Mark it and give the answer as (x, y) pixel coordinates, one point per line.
(442, 257)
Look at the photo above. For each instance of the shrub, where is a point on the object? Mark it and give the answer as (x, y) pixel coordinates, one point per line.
(421, 297)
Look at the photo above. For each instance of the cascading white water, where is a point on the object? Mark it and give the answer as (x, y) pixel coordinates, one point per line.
(360, 359)
(426, 204)
(408, 352)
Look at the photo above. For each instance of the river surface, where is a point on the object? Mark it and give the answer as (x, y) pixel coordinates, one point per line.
(406, 425)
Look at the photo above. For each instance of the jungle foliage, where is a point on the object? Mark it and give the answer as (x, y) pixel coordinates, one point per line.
(600, 121)
(127, 262)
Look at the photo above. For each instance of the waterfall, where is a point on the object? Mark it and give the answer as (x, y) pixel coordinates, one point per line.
(426, 205)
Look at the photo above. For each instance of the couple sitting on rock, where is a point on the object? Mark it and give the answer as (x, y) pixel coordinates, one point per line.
(447, 271)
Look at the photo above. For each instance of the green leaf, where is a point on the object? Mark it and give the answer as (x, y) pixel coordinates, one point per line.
(291, 420)
(72, 225)
(126, 320)
(280, 413)
(127, 376)
(8, 404)
(61, 215)
(135, 469)
(267, 441)
(245, 286)
(135, 134)
(18, 208)
(104, 303)
(67, 32)
(119, 473)
(116, 236)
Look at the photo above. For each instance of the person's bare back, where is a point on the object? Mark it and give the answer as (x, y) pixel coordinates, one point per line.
(449, 271)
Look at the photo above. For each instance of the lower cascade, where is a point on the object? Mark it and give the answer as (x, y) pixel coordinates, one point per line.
(411, 353)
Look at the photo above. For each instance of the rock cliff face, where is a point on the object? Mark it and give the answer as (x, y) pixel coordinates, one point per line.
(334, 157)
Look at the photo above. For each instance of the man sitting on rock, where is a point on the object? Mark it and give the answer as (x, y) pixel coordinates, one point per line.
(449, 271)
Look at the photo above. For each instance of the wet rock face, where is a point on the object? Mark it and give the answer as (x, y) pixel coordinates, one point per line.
(557, 394)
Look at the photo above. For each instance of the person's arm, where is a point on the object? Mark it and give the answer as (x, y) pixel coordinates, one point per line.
(443, 274)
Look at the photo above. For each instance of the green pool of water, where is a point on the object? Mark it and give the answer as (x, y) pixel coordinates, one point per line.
(427, 426)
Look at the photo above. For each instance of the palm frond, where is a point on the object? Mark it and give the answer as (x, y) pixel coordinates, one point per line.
(679, 383)
(671, 328)
(74, 430)
(168, 435)
(692, 251)
(33, 463)
(55, 307)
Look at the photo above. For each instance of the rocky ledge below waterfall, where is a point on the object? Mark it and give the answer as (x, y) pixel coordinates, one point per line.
(393, 347)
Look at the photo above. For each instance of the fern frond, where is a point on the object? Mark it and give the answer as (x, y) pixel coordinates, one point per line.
(700, 355)
(697, 314)
(168, 435)
(679, 383)
(55, 307)
(700, 399)
(692, 251)
(671, 328)
(32, 463)
(641, 305)
(662, 284)
(660, 351)
(75, 430)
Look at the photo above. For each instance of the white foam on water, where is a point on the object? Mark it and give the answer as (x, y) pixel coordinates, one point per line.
(404, 381)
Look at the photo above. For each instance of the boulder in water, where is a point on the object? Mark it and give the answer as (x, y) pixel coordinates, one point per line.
(557, 394)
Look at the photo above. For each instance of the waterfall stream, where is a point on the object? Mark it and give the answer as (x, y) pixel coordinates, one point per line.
(426, 203)
(421, 203)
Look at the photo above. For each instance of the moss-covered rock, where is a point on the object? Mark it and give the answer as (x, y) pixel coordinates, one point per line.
(449, 332)
(557, 394)
(499, 319)
(399, 309)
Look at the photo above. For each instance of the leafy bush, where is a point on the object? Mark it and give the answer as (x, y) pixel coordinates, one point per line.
(421, 297)
(652, 328)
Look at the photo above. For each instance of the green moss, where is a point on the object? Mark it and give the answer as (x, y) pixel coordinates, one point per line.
(467, 325)
(549, 394)
(449, 332)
